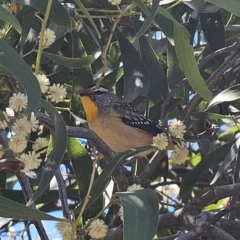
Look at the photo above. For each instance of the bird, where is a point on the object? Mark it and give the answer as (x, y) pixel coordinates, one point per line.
(119, 125)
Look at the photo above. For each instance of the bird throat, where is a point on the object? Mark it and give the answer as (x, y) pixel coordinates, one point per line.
(90, 109)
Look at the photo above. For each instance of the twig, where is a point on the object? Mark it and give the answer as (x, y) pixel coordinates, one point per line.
(87, 198)
(63, 195)
(223, 212)
(143, 179)
(232, 47)
(40, 44)
(236, 180)
(105, 50)
(216, 193)
(172, 237)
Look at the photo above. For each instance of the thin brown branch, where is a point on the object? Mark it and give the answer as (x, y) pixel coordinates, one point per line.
(145, 175)
(63, 195)
(216, 193)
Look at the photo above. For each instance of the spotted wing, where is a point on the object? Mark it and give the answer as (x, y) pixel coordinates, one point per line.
(132, 117)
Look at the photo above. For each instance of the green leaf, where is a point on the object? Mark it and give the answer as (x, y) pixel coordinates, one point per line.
(232, 6)
(75, 63)
(208, 115)
(13, 63)
(86, 13)
(82, 164)
(158, 82)
(27, 21)
(59, 148)
(136, 77)
(101, 182)
(231, 156)
(149, 19)
(58, 13)
(227, 95)
(188, 63)
(194, 175)
(140, 211)
(9, 18)
(14, 210)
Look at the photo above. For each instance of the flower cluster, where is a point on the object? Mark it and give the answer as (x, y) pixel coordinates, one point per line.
(179, 154)
(177, 130)
(160, 141)
(65, 229)
(20, 128)
(115, 2)
(97, 229)
(134, 187)
(48, 38)
(56, 92)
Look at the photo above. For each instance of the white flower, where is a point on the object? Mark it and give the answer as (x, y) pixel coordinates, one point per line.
(97, 229)
(120, 213)
(115, 2)
(179, 154)
(33, 123)
(40, 143)
(18, 143)
(57, 93)
(43, 82)
(134, 187)
(65, 229)
(22, 126)
(30, 160)
(18, 101)
(49, 38)
(160, 141)
(177, 128)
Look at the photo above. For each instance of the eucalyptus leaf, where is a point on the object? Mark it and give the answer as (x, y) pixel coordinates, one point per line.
(101, 182)
(140, 213)
(58, 13)
(75, 63)
(231, 156)
(149, 19)
(6, 16)
(13, 63)
(188, 63)
(57, 153)
(14, 210)
(232, 6)
(227, 95)
(195, 174)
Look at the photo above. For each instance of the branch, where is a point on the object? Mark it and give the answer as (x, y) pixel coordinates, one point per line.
(63, 195)
(215, 194)
(143, 179)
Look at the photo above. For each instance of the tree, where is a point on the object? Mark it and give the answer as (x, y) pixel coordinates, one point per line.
(171, 60)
